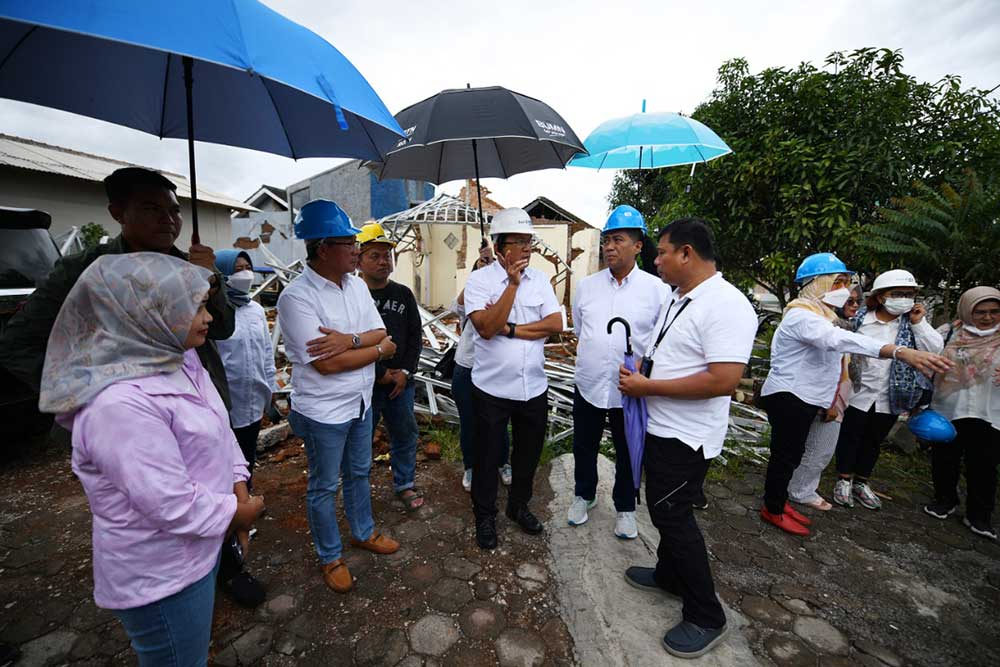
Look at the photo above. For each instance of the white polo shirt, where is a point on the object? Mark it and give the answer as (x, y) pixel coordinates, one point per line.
(717, 326)
(806, 355)
(599, 297)
(308, 303)
(504, 367)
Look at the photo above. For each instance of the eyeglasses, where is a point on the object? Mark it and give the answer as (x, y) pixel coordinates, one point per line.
(355, 244)
(851, 302)
(524, 244)
(992, 312)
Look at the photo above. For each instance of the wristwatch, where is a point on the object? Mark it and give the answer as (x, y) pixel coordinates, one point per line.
(405, 372)
(356, 341)
(510, 329)
(378, 348)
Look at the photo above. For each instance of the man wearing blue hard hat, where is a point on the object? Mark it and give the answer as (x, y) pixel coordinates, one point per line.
(806, 365)
(334, 336)
(622, 290)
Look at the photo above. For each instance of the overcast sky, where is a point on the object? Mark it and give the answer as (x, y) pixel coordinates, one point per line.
(589, 60)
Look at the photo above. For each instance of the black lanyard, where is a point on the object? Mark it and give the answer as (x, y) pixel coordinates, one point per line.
(667, 323)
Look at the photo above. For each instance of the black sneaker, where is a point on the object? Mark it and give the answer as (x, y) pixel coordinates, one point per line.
(981, 528)
(687, 640)
(940, 510)
(525, 519)
(701, 502)
(245, 590)
(642, 578)
(486, 533)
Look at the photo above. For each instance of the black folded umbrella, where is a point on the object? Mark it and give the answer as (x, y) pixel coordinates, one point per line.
(490, 132)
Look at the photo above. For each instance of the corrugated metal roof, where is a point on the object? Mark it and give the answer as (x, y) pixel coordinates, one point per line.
(28, 154)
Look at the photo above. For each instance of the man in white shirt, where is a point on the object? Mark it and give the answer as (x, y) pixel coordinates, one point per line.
(703, 342)
(623, 290)
(513, 309)
(332, 382)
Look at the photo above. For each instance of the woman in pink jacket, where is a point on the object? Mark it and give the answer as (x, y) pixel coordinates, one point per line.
(164, 477)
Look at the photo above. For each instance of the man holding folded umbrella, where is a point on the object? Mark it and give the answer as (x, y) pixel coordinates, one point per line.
(703, 341)
(513, 309)
(625, 291)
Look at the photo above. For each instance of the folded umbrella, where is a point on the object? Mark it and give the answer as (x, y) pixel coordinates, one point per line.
(633, 412)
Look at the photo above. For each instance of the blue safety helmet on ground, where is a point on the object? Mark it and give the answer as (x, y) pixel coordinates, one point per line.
(321, 219)
(820, 264)
(932, 426)
(624, 217)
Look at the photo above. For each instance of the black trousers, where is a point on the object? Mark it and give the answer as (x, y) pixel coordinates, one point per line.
(860, 440)
(675, 474)
(246, 436)
(588, 427)
(979, 444)
(528, 420)
(790, 418)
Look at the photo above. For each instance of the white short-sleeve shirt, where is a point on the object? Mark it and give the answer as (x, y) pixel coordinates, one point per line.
(599, 298)
(504, 367)
(308, 303)
(718, 325)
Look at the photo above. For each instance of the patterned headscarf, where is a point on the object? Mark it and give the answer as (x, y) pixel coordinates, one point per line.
(127, 317)
(975, 357)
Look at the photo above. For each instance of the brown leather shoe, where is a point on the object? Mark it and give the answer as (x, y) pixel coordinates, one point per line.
(337, 576)
(377, 544)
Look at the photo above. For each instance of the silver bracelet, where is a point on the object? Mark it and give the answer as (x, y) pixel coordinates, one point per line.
(895, 351)
(378, 348)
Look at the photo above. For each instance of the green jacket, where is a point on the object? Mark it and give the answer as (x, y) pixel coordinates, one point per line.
(22, 347)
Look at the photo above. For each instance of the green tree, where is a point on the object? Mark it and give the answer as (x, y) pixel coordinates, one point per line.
(91, 234)
(949, 236)
(817, 153)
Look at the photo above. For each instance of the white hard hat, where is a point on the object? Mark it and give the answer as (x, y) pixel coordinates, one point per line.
(511, 221)
(894, 278)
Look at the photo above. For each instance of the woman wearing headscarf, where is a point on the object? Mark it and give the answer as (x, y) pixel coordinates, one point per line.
(163, 474)
(806, 366)
(969, 395)
(883, 389)
(247, 354)
(822, 440)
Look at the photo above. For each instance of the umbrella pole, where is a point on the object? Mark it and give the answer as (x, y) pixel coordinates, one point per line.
(479, 194)
(188, 80)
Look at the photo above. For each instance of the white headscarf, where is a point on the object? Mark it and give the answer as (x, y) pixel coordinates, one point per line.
(127, 317)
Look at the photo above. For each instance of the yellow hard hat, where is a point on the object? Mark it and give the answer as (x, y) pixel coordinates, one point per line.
(373, 233)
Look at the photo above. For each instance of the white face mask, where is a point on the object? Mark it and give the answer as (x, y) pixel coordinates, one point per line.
(972, 329)
(241, 281)
(837, 298)
(899, 306)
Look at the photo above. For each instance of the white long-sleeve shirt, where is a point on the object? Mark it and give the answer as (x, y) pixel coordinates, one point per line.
(875, 372)
(249, 363)
(599, 298)
(806, 354)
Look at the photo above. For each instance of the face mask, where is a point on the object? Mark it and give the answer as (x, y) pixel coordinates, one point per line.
(899, 306)
(980, 332)
(837, 298)
(241, 281)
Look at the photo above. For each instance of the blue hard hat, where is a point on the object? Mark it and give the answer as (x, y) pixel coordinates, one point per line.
(322, 218)
(820, 264)
(624, 217)
(932, 426)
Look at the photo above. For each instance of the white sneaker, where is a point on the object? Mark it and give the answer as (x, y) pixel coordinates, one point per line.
(842, 493)
(506, 474)
(578, 511)
(467, 481)
(625, 526)
(863, 492)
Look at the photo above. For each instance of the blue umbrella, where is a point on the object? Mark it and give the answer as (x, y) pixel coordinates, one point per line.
(650, 141)
(633, 411)
(239, 72)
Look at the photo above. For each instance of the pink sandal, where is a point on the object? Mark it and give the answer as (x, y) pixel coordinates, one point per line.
(819, 504)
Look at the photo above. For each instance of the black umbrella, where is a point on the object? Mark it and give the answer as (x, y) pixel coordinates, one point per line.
(491, 132)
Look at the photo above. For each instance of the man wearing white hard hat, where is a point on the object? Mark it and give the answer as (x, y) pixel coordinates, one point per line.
(513, 309)
(883, 388)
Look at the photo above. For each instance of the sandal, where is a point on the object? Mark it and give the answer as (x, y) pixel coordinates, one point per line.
(819, 504)
(411, 499)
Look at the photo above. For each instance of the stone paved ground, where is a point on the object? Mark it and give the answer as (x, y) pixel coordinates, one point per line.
(870, 588)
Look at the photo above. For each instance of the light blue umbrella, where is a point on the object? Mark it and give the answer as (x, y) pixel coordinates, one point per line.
(650, 141)
(231, 72)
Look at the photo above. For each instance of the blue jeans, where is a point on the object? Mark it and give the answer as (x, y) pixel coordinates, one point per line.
(461, 392)
(176, 630)
(336, 450)
(402, 427)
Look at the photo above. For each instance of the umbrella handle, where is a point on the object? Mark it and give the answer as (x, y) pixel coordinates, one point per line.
(628, 331)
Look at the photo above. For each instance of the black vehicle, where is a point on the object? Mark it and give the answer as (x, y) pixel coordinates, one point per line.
(27, 255)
